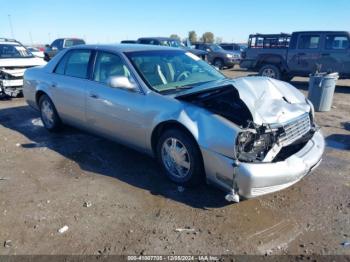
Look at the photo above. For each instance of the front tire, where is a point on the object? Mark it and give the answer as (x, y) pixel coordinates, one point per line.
(48, 114)
(219, 63)
(271, 71)
(180, 157)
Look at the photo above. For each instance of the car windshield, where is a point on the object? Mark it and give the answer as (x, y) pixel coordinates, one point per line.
(171, 70)
(14, 51)
(72, 42)
(215, 48)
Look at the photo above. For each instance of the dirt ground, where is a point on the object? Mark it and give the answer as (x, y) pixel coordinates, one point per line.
(49, 180)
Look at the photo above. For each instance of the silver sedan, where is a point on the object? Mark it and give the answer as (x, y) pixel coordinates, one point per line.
(249, 136)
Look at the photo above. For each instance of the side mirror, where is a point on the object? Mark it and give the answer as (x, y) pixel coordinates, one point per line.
(47, 46)
(121, 82)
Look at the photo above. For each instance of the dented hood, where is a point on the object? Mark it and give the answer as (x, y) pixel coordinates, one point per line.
(17, 66)
(270, 101)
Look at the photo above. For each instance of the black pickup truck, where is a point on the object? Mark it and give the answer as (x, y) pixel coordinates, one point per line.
(283, 56)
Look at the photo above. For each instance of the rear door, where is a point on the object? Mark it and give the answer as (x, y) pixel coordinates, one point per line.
(305, 58)
(68, 85)
(335, 56)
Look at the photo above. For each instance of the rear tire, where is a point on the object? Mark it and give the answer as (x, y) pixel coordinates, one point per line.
(271, 71)
(180, 158)
(48, 114)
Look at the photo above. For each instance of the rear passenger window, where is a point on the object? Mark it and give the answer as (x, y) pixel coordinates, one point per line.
(78, 63)
(337, 42)
(309, 42)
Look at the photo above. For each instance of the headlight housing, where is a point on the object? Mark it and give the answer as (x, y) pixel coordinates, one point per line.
(253, 147)
(229, 56)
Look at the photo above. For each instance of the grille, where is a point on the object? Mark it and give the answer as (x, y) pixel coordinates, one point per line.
(295, 129)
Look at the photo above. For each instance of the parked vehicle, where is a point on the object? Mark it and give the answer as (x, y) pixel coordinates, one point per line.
(218, 56)
(60, 44)
(14, 60)
(172, 42)
(250, 136)
(35, 51)
(284, 56)
(233, 47)
(128, 42)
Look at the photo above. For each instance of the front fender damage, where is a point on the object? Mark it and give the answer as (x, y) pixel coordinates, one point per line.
(272, 120)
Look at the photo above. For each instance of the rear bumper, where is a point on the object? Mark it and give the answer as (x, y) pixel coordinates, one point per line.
(256, 179)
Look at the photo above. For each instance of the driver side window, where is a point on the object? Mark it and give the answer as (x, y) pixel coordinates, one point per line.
(108, 65)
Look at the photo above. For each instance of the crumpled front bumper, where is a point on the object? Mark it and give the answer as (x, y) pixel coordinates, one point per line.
(259, 179)
(256, 179)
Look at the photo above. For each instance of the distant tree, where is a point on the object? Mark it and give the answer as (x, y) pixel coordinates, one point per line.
(175, 36)
(192, 36)
(208, 37)
(218, 40)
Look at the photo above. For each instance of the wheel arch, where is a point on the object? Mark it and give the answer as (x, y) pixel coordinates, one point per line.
(39, 94)
(160, 128)
(273, 59)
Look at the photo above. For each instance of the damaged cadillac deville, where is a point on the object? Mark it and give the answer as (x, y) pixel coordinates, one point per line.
(249, 136)
(14, 60)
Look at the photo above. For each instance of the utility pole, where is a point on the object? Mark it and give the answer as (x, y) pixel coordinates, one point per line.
(11, 27)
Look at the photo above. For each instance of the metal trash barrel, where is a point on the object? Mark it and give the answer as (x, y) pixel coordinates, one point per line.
(321, 90)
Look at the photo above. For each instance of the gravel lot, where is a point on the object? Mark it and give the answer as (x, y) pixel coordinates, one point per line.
(116, 201)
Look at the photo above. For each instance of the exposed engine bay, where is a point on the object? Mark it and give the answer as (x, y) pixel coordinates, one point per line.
(223, 101)
(257, 143)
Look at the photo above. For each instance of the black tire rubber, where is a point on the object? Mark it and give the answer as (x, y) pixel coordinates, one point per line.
(219, 63)
(46, 57)
(57, 121)
(272, 67)
(196, 174)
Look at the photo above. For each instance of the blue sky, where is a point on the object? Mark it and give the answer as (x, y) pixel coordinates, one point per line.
(109, 21)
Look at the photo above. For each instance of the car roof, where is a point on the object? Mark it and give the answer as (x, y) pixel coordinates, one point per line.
(322, 32)
(160, 38)
(9, 43)
(125, 47)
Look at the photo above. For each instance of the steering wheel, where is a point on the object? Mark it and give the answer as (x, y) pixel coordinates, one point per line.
(184, 75)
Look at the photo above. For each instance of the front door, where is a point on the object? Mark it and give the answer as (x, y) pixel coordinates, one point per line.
(114, 112)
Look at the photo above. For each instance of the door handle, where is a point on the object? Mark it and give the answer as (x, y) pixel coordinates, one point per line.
(94, 96)
(53, 84)
(325, 54)
(301, 54)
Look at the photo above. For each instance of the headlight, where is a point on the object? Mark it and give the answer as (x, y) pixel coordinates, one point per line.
(229, 56)
(252, 147)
